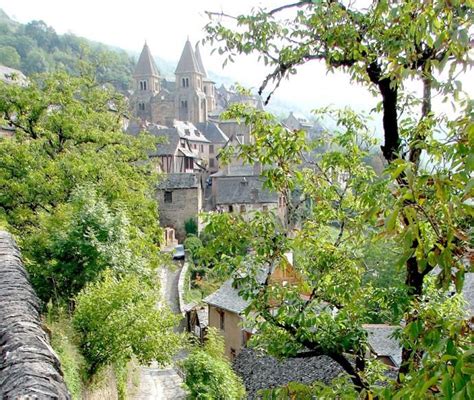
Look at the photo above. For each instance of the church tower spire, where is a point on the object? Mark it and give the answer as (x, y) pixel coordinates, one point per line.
(147, 83)
(190, 101)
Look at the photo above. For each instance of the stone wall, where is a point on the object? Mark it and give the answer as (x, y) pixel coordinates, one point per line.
(185, 204)
(29, 368)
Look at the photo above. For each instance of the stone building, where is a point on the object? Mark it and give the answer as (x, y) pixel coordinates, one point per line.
(190, 98)
(179, 199)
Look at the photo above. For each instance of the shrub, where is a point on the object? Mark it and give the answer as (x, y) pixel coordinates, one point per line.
(118, 319)
(191, 227)
(209, 374)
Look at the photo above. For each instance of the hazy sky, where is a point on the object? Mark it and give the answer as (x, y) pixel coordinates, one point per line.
(166, 25)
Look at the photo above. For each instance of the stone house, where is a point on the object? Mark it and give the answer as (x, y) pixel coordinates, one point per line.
(173, 153)
(226, 308)
(217, 140)
(242, 194)
(180, 199)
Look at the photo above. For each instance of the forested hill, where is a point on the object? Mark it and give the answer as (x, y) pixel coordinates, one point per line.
(35, 47)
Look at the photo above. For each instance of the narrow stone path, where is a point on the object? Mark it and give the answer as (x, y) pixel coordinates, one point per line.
(163, 383)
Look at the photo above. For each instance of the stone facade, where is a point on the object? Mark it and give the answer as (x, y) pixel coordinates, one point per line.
(179, 198)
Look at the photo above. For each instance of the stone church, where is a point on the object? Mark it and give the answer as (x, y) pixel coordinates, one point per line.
(190, 98)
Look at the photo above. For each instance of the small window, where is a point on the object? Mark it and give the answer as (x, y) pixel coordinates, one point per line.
(143, 85)
(201, 148)
(195, 146)
(184, 104)
(141, 106)
(212, 162)
(205, 89)
(222, 320)
(185, 82)
(242, 208)
(168, 197)
(187, 132)
(211, 148)
(265, 208)
(231, 208)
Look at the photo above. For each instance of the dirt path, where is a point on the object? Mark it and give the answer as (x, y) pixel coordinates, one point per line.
(163, 383)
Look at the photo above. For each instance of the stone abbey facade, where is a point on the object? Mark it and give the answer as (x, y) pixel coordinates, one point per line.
(190, 98)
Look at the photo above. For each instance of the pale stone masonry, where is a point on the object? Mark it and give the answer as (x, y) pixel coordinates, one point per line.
(180, 198)
(29, 368)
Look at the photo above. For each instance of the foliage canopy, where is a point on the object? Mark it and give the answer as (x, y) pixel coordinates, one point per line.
(422, 202)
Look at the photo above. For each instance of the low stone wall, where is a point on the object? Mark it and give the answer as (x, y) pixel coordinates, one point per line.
(29, 368)
(181, 281)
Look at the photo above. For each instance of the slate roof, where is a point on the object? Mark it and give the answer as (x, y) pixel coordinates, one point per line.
(187, 130)
(227, 298)
(29, 368)
(170, 135)
(245, 190)
(382, 343)
(179, 181)
(264, 372)
(468, 292)
(171, 143)
(200, 64)
(212, 132)
(146, 64)
(187, 61)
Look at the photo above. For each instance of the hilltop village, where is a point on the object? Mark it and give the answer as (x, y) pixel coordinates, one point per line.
(186, 115)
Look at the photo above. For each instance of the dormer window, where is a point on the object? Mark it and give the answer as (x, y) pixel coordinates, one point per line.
(143, 85)
(187, 132)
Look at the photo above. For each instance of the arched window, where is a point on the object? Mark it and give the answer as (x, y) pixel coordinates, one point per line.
(143, 85)
(185, 82)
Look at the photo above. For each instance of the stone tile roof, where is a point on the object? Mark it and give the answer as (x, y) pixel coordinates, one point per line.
(146, 64)
(468, 292)
(170, 137)
(179, 181)
(265, 372)
(245, 190)
(382, 343)
(200, 64)
(187, 62)
(212, 132)
(227, 298)
(29, 368)
(187, 130)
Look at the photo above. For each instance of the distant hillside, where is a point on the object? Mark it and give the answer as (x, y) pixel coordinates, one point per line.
(36, 47)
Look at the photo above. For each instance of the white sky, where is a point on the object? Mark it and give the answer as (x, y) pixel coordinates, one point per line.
(166, 25)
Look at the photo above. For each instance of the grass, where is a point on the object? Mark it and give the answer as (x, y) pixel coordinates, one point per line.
(63, 341)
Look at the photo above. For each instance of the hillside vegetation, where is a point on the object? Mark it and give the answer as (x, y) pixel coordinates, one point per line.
(35, 47)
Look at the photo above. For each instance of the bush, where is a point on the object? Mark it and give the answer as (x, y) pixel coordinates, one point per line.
(209, 374)
(191, 227)
(193, 245)
(118, 319)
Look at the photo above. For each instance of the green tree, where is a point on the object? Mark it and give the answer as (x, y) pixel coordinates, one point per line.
(422, 202)
(118, 319)
(67, 137)
(77, 241)
(9, 57)
(209, 374)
